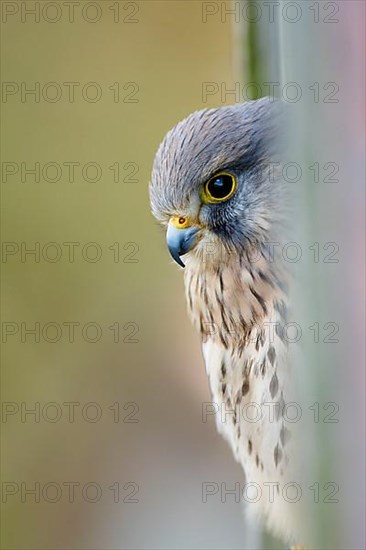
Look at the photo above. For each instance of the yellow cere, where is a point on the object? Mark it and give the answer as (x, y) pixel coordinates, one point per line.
(180, 222)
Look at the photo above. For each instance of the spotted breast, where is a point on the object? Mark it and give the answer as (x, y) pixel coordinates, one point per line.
(240, 310)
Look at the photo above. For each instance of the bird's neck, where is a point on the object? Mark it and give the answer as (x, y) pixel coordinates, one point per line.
(229, 301)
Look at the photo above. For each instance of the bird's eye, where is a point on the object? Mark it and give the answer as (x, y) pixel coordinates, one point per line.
(219, 188)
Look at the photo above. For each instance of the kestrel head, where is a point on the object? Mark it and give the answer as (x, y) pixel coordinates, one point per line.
(213, 180)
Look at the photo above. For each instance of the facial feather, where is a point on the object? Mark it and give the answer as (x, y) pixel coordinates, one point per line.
(240, 139)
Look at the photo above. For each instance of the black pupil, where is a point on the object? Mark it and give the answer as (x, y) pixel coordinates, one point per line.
(221, 186)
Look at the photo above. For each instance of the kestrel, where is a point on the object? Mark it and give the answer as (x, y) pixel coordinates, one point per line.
(215, 185)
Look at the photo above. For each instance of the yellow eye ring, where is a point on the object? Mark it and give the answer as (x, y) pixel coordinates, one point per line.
(219, 188)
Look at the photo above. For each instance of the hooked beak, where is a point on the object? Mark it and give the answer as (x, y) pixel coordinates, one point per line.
(181, 237)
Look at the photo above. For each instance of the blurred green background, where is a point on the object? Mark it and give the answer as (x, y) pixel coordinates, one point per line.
(168, 53)
(137, 390)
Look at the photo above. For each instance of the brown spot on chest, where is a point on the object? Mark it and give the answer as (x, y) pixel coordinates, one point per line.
(263, 368)
(284, 435)
(273, 386)
(245, 387)
(223, 370)
(277, 455)
(280, 407)
(271, 355)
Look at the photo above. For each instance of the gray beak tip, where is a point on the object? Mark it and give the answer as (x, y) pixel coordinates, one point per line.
(180, 241)
(176, 257)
